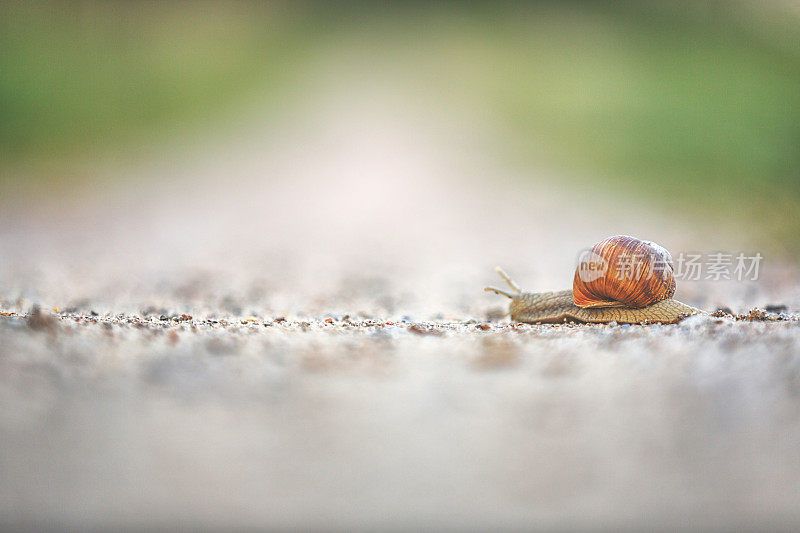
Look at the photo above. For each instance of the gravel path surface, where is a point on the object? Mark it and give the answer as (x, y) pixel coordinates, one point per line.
(287, 329)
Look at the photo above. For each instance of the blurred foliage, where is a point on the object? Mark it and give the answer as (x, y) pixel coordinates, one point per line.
(87, 76)
(694, 104)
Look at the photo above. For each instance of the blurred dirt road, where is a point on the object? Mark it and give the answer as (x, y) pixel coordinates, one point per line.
(281, 329)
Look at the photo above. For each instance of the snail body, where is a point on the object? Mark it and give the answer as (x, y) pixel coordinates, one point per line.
(620, 279)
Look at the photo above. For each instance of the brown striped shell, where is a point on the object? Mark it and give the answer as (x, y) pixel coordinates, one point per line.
(623, 271)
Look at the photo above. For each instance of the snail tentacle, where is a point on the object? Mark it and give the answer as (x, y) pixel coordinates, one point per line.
(508, 280)
(501, 292)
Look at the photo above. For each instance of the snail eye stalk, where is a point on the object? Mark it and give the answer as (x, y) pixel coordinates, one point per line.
(508, 280)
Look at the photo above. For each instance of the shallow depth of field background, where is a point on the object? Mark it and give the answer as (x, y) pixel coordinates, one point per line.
(689, 108)
(257, 236)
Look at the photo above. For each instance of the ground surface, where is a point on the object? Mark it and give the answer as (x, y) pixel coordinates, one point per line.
(288, 329)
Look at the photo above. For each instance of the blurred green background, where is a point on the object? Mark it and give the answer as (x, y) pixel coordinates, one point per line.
(691, 106)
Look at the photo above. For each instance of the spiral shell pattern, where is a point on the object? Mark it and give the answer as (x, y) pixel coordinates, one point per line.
(623, 271)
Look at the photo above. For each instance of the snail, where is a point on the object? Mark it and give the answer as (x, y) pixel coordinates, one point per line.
(620, 279)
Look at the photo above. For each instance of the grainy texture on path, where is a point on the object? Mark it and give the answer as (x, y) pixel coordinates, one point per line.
(287, 329)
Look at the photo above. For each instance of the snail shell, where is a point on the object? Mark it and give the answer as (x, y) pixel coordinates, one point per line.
(623, 271)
